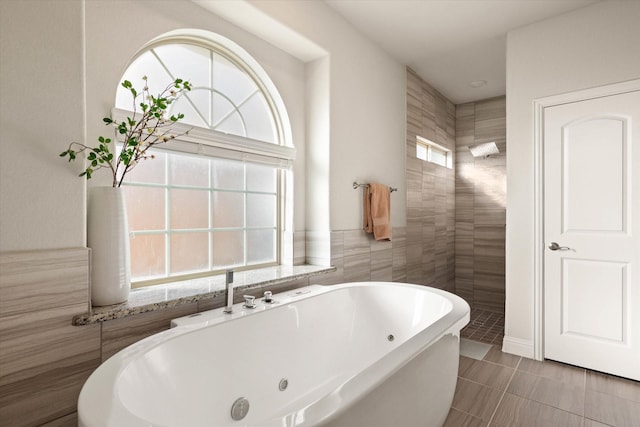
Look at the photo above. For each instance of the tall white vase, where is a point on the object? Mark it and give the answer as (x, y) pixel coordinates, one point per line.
(108, 238)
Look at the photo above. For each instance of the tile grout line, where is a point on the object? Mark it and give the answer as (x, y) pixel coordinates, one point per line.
(584, 398)
(495, 410)
(466, 413)
(489, 362)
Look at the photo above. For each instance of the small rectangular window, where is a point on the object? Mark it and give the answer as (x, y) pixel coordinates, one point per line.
(431, 152)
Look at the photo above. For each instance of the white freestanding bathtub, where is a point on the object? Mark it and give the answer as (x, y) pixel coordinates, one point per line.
(352, 355)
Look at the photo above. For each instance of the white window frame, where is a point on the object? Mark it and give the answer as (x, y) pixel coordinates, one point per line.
(211, 143)
(430, 146)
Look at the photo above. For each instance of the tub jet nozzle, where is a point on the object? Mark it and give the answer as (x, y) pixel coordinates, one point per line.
(239, 409)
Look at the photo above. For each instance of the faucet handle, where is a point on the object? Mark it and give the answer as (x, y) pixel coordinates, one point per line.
(268, 297)
(249, 301)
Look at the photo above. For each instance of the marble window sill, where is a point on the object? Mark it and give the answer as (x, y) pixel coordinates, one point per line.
(159, 297)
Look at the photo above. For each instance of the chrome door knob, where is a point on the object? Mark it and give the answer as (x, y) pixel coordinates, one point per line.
(556, 247)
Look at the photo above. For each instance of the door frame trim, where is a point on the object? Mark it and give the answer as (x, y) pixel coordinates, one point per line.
(539, 105)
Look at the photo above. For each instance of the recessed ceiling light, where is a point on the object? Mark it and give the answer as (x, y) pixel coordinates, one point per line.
(478, 83)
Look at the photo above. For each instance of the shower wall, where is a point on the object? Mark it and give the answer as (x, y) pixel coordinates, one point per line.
(430, 232)
(480, 205)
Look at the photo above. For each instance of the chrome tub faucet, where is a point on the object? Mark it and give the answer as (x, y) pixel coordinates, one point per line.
(229, 291)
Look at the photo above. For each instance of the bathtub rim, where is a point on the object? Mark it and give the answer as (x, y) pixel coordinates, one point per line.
(103, 382)
(356, 387)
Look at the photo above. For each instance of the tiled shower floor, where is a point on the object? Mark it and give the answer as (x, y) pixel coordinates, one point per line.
(484, 326)
(510, 391)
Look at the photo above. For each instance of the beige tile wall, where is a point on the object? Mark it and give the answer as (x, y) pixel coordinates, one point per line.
(430, 231)
(44, 360)
(454, 235)
(480, 201)
(360, 258)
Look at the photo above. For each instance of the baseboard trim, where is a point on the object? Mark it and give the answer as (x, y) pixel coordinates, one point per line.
(518, 347)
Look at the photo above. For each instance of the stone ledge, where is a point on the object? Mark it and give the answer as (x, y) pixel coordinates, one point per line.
(159, 297)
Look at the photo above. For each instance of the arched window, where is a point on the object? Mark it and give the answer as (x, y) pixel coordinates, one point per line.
(211, 199)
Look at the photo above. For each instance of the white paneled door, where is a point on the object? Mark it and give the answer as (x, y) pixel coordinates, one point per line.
(592, 233)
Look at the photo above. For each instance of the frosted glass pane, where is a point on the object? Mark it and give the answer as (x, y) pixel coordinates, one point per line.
(147, 256)
(261, 178)
(189, 252)
(261, 210)
(231, 81)
(259, 119)
(198, 98)
(145, 208)
(187, 62)
(188, 170)
(157, 80)
(191, 116)
(226, 98)
(233, 125)
(438, 157)
(149, 170)
(189, 209)
(228, 209)
(421, 152)
(222, 107)
(228, 249)
(261, 246)
(227, 174)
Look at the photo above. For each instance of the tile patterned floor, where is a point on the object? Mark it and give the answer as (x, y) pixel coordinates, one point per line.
(504, 390)
(485, 326)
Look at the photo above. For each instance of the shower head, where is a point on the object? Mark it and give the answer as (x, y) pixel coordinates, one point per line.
(484, 150)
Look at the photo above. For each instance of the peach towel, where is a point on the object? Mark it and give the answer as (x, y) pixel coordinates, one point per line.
(377, 211)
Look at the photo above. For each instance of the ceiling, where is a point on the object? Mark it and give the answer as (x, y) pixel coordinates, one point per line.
(450, 43)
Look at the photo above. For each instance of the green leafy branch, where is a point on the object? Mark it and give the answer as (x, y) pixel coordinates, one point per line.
(147, 127)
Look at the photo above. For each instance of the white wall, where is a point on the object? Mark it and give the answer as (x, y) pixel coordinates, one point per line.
(367, 110)
(43, 102)
(592, 46)
(111, 44)
(41, 111)
(44, 106)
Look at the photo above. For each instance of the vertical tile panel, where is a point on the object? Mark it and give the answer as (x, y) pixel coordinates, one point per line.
(47, 397)
(429, 257)
(44, 360)
(357, 268)
(337, 245)
(382, 265)
(492, 108)
(464, 110)
(36, 280)
(120, 333)
(480, 205)
(414, 263)
(380, 245)
(399, 254)
(356, 242)
(489, 262)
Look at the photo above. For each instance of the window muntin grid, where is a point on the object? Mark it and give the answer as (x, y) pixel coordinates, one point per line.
(225, 96)
(431, 152)
(195, 215)
(232, 97)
